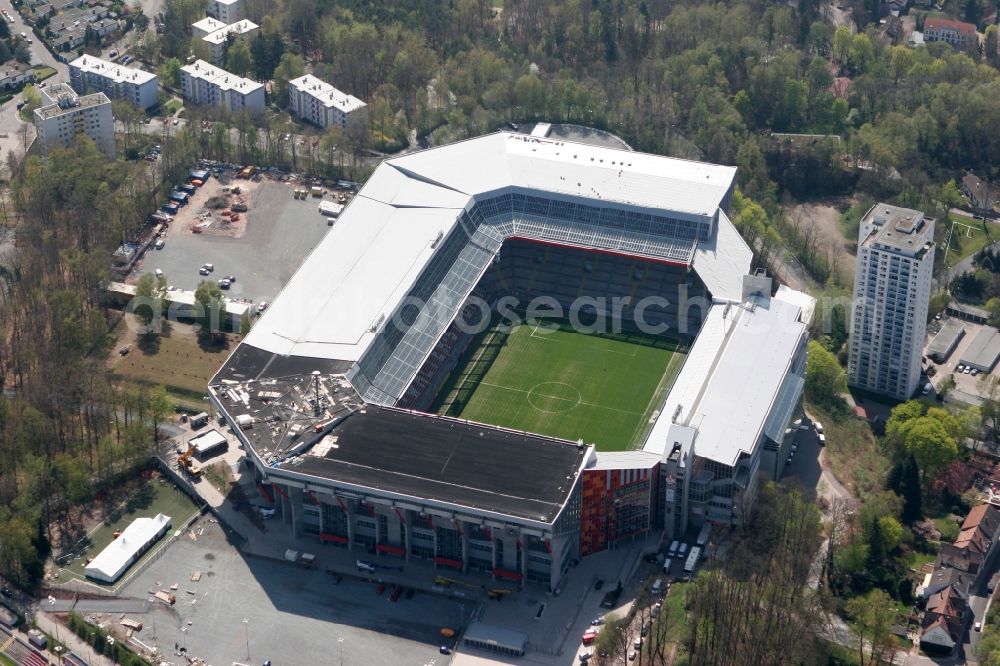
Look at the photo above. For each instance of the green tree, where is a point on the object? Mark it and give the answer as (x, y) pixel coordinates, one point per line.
(825, 378)
(909, 489)
(170, 72)
(289, 67)
(147, 305)
(872, 617)
(210, 308)
(613, 638)
(22, 52)
(930, 443)
(842, 44)
(239, 60)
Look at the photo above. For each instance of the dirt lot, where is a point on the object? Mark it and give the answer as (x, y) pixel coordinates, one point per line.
(176, 359)
(203, 214)
(823, 220)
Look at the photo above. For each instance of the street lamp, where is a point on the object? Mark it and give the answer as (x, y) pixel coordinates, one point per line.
(152, 600)
(341, 641)
(52, 603)
(246, 632)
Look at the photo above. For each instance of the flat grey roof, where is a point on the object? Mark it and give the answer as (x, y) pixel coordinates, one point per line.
(984, 350)
(897, 228)
(496, 635)
(448, 460)
(944, 342)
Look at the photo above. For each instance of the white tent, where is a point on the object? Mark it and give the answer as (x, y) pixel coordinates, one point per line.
(112, 562)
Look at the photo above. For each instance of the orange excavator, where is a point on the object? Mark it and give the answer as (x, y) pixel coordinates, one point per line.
(186, 464)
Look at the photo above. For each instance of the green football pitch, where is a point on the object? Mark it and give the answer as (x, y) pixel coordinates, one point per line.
(558, 382)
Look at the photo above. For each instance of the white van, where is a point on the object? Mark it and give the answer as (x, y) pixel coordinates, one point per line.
(672, 552)
(682, 551)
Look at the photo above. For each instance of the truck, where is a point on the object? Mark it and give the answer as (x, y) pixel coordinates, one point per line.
(692, 561)
(316, 191)
(703, 535)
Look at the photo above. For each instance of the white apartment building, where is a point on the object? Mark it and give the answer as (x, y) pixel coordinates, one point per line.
(892, 291)
(206, 26)
(215, 33)
(320, 103)
(227, 11)
(128, 84)
(64, 115)
(204, 83)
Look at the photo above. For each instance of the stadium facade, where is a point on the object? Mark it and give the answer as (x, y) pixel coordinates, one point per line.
(327, 390)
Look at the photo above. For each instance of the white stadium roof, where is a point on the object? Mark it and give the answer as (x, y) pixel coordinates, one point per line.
(366, 265)
(742, 356)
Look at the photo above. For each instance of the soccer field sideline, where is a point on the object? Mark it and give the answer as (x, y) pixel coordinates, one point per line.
(564, 383)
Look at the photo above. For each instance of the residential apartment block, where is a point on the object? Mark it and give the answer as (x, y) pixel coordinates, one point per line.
(320, 103)
(64, 115)
(204, 83)
(128, 84)
(958, 34)
(227, 11)
(215, 34)
(892, 290)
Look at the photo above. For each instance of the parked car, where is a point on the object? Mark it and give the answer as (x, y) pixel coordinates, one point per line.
(159, 244)
(599, 584)
(979, 626)
(158, 273)
(444, 649)
(208, 267)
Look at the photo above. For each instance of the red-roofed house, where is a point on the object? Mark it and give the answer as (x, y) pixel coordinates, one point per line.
(944, 618)
(973, 544)
(956, 33)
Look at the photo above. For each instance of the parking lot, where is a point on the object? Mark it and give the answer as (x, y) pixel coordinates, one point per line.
(279, 611)
(279, 233)
(968, 386)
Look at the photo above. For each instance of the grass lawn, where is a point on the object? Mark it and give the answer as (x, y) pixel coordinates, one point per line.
(916, 560)
(155, 496)
(848, 440)
(561, 383)
(674, 613)
(175, 359)
(171, 107)
(970, 236)
(42, 72)
(949, 528)
(7, 661)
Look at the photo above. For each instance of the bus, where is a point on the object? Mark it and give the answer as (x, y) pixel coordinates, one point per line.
(692, 560)
(706, 531)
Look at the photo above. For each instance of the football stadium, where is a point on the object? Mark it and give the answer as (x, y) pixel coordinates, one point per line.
(514, 351)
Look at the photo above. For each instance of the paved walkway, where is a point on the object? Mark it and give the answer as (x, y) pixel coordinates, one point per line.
(70, 640)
